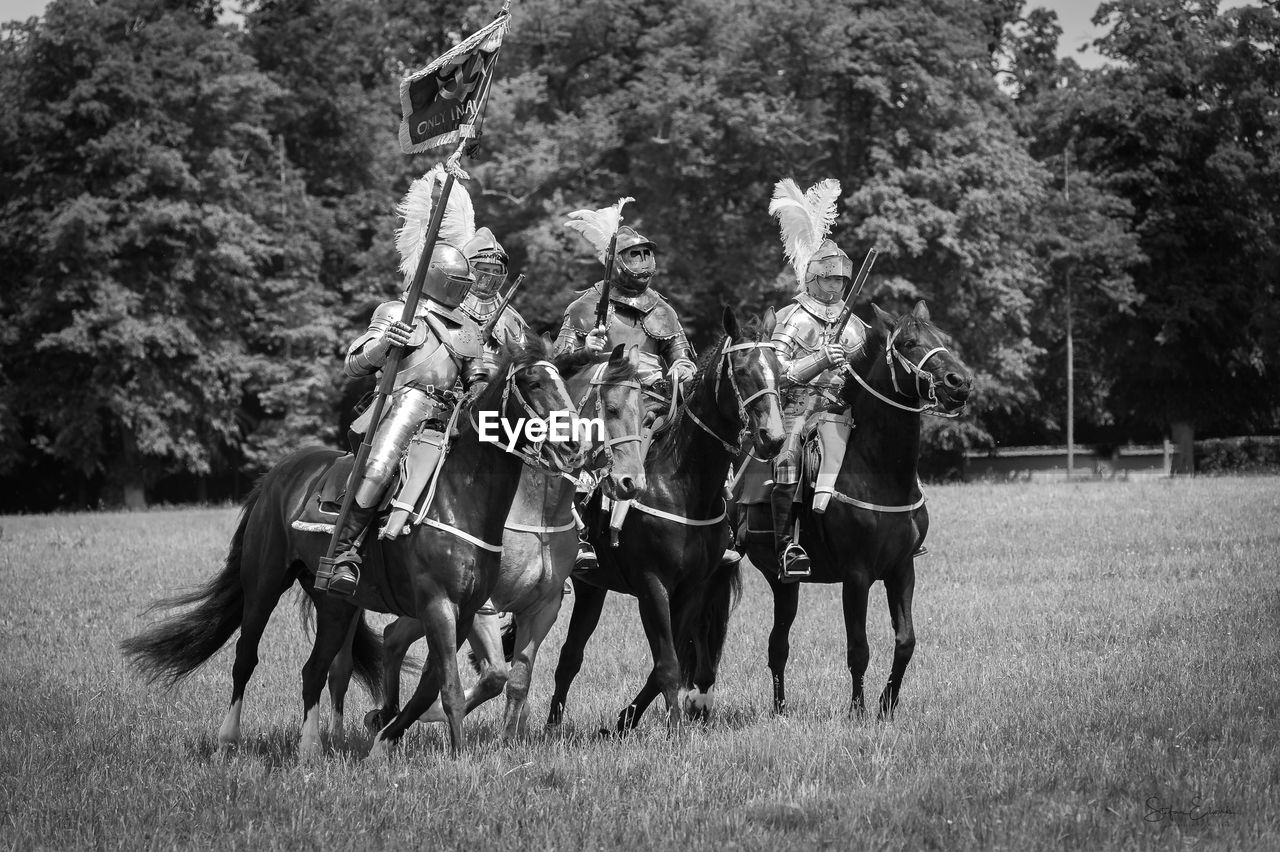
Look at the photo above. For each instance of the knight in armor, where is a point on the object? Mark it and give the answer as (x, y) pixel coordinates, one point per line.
(442, 348)
(803, 337)
(489, 264)
(636, 315)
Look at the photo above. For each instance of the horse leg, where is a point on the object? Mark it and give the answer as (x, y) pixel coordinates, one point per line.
(855, 627)
(259, 603)
(340, 680)
(786, 601)
(706, 646)
(445, 630)
(397, 637)
(588, 603)
(333, 623)
(655, 614)
(899, 591)
(532, 627)
(486, 642)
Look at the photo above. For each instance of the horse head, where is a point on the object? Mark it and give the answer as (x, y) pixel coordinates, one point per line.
(751, 365)
(921, 368)
(536, 406)
(609, 390)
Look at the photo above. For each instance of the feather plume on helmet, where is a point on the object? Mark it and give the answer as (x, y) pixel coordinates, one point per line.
(457, 225)
(599, 226)
(805, 219)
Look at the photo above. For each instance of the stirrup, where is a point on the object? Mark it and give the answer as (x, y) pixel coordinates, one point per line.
(339, 575)
(793, 564)
(921, 551)
(586, 559)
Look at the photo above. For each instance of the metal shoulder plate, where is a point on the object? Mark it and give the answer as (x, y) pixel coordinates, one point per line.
(661, 321)
(510, 326)
(797, 331)
(581, 313)
(460, 336)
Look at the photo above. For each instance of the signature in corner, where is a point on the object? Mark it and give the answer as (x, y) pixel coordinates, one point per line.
(1157, 811)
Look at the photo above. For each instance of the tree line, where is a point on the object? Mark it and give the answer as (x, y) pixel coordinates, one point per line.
(197, 216)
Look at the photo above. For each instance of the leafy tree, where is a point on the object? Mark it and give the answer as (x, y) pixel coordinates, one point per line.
(1186, 125)
(151, 297)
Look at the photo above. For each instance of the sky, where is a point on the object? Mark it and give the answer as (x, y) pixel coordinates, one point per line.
(1073, 15)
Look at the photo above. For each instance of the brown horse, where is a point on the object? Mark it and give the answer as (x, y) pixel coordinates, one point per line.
(877, 518)
(440, 572)
(669, 549)
(539, 543)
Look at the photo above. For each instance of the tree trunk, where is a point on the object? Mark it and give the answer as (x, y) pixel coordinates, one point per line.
(128, 476)
(1184, 440)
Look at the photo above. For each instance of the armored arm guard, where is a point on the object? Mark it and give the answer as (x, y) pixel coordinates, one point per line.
(369, 351)
(805, 369)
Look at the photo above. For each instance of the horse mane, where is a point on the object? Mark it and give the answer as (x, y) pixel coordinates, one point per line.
(571, 363)
(510, 357)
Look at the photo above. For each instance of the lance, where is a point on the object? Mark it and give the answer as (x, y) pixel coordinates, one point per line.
(392, 365)
(842, 319)
(492, 322)
(602, 307)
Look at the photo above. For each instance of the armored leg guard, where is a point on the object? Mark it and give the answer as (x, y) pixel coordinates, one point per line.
(793, 562)
(340, 575)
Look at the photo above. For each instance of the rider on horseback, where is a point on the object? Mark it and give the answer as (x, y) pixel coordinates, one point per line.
(489, 263)
(636, 315)
(810, 358)
(442, 347)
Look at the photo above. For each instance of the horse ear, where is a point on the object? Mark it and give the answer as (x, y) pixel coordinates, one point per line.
(768, 322)
(633, 355)
(619, 352)
(921, 311)
(731, 323)
(883, 319)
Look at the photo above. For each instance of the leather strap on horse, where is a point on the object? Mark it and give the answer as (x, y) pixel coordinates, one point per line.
(679, 519)
(541, 530)
(465, 536)
(875, 507)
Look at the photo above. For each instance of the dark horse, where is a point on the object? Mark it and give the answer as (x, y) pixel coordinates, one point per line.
(441, 572)
(877, 518)
(669, 547)
(539, 543)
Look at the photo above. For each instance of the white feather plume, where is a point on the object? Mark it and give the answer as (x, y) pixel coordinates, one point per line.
(805, 219)
(457, 225)
(599, 226)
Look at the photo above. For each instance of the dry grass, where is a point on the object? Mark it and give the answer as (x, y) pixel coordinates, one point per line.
(1088, 655)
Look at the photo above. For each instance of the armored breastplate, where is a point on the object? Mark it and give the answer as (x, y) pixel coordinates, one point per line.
(801, 330)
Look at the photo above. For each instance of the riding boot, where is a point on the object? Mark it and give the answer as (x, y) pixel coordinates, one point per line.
(340, 575)
(793, 562)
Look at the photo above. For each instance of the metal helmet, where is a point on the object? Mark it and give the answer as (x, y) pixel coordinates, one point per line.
(829, 272)
(448, 276)
(636, 264)
(484, 248)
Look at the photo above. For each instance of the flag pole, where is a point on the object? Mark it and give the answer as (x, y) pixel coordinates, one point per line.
(392, 365)
(453, 170)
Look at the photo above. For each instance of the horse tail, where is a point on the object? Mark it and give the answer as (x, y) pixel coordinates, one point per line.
(175, 648)
(366, 658)
(722, 596)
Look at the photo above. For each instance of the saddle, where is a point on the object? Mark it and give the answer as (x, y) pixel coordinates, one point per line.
(324, 503)
(823, 440)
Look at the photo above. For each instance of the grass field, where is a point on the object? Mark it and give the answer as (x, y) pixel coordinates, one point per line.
(1096, 668)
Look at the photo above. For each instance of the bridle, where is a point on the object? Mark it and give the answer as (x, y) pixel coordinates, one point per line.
(893, 359)
(597, 386)
(533, 457)
(723, 368)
